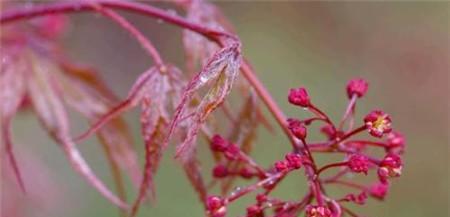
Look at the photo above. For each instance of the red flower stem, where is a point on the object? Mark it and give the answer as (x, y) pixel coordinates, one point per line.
(145, 43)
(318, 144)
(377, 144)
(348, 111)
(349, 184)
(280, 118)
(310, 120)
(272, 187)
(324, 149)
(276, 112)
(298, 206)
(318, 192)
(321, 114)
(247, 159)
(265, 96)
(308, 152)
(330, 147)
(336, 176)
(355, 131)
(313, 174)
(236, 195)
(330, 166)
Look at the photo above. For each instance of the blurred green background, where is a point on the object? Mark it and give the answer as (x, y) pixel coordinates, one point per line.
(401, 48)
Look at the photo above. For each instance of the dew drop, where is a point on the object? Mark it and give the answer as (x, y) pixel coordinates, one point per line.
(5, 59)
(271, 182)
(203, 79)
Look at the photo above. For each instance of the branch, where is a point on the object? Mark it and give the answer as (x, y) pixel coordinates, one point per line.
(80, 6)
(146, 43)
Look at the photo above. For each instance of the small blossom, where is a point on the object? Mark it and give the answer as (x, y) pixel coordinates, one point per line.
(379, 190)
(214, 202)
(246, 173)
(215, 206)
(378, 123)
(299, 97)
(317, 211)
(395, 139)
(390, 166)
(357, 87)
(294, 160)
(232, 152)
(220, 171)
(297, 128)
(358, 199)
(395, 142)
(254, 211)
(261, 198)
(218, 143)
(358, 163)
(281, 166)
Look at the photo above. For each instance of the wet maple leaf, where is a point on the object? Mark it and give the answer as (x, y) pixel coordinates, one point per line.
(12, 93)
(157, 91)
(34, 75)
(199, 49)
(219, 73)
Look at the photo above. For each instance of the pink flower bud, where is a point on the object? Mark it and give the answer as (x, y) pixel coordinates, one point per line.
(232, 152)
(358, 199)
(390, 166)
(254, 211)
(395, 143)
(246, 173)
(220, 171)
(299, 97)
(379, 190)
(294, 160)
(357, 87)
(358, 163)
(218, 143)
(215, 206)
(395, 139)
(261, 198)
(281, 166)
(297, 128)
(378, 123)
(214, 202)
(317, 211)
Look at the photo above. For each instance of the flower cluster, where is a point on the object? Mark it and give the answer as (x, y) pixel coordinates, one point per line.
(340, 139)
